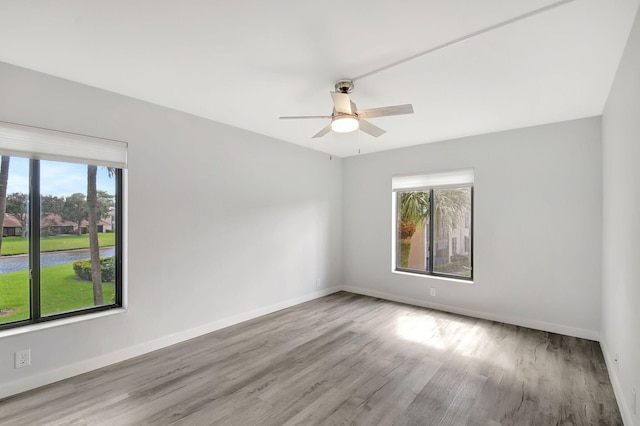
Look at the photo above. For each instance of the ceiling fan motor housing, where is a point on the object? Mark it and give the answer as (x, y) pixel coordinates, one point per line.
(344, 86)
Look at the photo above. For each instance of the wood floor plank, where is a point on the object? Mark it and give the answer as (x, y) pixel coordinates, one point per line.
(341, 359)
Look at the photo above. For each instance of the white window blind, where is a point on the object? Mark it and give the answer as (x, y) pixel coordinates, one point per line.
(414, 182)
(43, 144)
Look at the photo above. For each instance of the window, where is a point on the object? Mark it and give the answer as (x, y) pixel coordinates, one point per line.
(433, 212)
(59, 221)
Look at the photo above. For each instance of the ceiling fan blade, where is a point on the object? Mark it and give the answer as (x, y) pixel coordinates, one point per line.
(386, 111)
(341, 103)
(304, 116)
(323, 132)
(369, 128)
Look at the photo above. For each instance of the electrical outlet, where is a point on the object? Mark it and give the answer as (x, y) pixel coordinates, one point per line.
(433, 292)
(317, 282)
(23, 358)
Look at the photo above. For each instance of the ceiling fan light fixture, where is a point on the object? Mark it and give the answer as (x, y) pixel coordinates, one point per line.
(346, 117)
(344, 124)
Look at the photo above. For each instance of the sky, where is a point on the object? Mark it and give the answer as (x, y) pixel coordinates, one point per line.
(56, 178)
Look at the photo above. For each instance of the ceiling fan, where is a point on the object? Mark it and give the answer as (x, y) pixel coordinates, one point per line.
(347, 118)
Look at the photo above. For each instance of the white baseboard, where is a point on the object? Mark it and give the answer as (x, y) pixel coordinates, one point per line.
(523, 322)
(47, 377)
(625, 411)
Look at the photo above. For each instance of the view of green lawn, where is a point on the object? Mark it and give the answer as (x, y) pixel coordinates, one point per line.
(61, 291)
(17, 245)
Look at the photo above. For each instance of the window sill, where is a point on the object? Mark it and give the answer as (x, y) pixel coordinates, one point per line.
(60, 322)
(435, 277)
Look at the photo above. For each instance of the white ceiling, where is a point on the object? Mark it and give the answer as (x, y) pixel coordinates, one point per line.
(247, 62)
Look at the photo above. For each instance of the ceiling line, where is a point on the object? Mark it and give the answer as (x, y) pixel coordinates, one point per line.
(466, 37)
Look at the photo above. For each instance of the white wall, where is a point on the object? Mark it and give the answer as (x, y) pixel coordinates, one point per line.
(223, 225)
(621, 228)
(537, 226)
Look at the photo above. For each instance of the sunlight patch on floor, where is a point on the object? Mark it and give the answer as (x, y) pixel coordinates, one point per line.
(419, 329)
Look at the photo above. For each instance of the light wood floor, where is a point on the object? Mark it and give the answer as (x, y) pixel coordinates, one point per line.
(342, 359)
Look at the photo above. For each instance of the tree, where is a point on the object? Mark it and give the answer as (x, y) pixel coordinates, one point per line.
(450, 205)
(51, 207)
(4, 178)
(50, 204)
(17, 207)
(94, 247)
(75, 209)
(98, 205)
(104, 204)
(414, 210)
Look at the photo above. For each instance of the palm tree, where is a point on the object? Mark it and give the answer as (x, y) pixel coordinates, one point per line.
(413, 212)
(450, 205)
(95, 213)
(4, 178)
(94, 246)
(414, 206)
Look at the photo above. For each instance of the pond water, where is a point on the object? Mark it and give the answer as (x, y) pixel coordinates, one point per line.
(20, 263)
